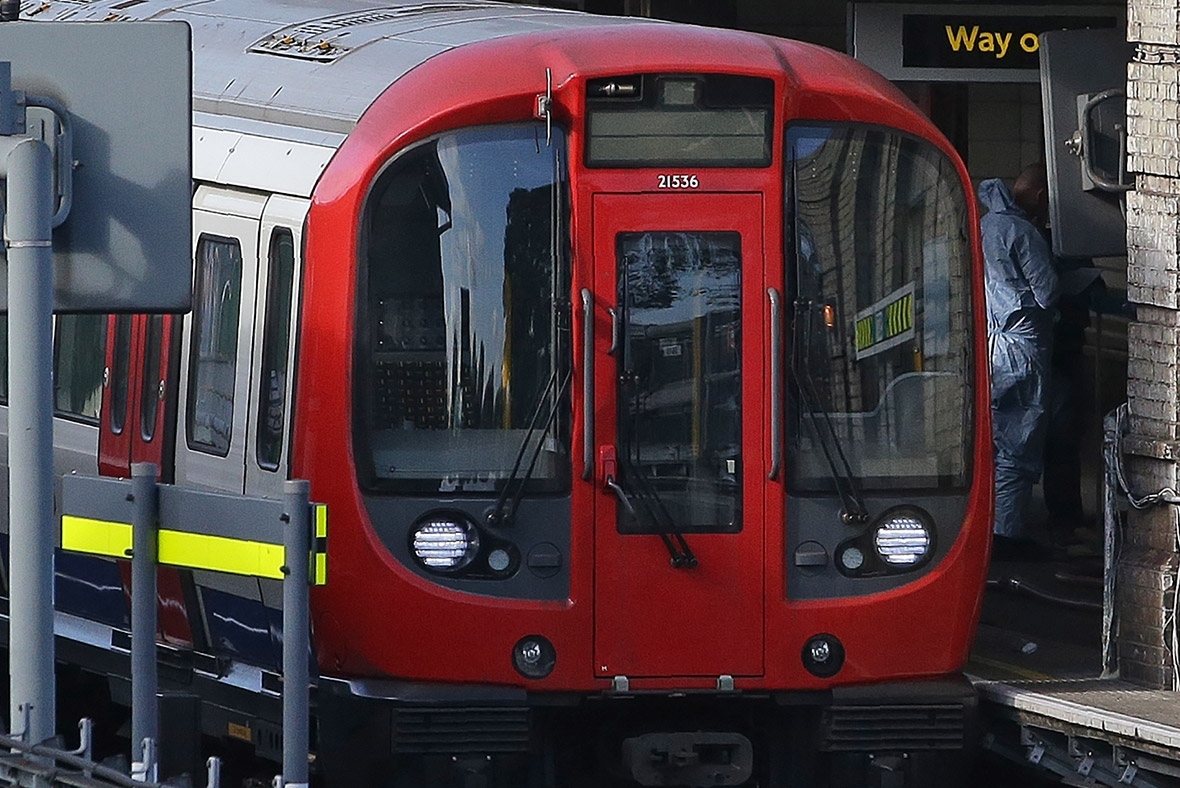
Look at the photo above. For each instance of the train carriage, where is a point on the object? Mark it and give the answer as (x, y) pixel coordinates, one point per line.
(640, 368)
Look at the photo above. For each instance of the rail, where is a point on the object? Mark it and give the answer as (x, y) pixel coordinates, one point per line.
(47, 766)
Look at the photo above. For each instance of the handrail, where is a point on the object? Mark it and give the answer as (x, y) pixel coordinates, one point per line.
(776, 383)
(587, 384)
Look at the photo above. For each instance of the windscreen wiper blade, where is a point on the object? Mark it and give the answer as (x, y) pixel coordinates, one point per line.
(854, 509)
(656, 513)
(500, 514)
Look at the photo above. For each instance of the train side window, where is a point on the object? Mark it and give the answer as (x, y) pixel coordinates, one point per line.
(214, 351)
(151, 388)
(273, 382)
(79, 353)
(120, 372)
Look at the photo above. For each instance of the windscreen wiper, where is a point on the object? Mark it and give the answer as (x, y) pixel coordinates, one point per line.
(503, 512)
(855, 511)
(656, 513)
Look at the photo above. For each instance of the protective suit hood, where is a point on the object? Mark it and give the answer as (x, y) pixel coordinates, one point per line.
(995, 195)
(1019, 279)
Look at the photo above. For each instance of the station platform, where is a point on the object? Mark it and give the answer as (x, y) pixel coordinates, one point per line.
(1046, 702)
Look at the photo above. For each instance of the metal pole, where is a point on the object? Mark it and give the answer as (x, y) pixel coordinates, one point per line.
(145, 717)
(297, 557)
(27, 165)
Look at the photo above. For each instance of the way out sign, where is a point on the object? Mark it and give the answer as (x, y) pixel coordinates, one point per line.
(965, 43)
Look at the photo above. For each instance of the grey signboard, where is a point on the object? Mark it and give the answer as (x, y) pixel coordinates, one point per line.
(1080, 69)
(126, 244)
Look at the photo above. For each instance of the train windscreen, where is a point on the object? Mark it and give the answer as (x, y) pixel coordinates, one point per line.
(880, 318)
(463, 358)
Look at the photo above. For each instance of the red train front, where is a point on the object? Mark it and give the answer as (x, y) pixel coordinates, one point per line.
(650, 413)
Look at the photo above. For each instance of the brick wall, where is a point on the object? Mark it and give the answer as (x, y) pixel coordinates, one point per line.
(1147, 567)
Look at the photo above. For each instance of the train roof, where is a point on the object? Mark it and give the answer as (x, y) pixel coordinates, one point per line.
(279, 84)
(280, 61)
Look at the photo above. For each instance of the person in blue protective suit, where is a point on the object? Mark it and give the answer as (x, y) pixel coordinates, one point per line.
(1021, 289)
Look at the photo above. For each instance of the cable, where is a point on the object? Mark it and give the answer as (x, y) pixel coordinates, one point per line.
(1165, 495)
(1175, 611)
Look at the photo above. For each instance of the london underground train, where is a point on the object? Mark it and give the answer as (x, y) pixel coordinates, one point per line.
(640, 368)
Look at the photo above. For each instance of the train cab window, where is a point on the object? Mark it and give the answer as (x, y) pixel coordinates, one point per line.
(79, 353)
(214, 352)
(463, 359)
(273, 382)
(881, 324)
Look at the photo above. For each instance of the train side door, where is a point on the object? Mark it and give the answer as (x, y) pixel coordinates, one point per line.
(136, 394)
(135, 425)
(272, 376)
(272, 365)
(679, 528)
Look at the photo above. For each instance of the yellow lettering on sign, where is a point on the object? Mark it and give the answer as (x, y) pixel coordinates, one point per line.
(1029, 42)
(961, 38)
(999, 43)
(1004, 41)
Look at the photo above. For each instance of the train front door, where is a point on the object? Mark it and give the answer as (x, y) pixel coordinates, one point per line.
(679, 449)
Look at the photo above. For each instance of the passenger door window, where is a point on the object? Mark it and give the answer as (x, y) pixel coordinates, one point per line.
(272, 384)
(152, 391)
(79, 350)
(214, 353)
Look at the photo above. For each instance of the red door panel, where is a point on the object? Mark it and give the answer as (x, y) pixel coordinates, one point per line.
(137, 410)
(679, 530)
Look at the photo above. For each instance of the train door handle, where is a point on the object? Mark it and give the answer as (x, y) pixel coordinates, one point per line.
(614, 331)
(608, 462)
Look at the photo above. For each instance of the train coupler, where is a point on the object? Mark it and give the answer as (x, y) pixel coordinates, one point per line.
(695, 759)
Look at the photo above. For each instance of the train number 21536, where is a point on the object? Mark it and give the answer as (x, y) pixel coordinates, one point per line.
(678, 181)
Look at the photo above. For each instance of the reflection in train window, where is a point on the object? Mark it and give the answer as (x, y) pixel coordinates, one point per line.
(881, 321)
(273, 383)
(214, 345)
(679, 383)
(464, 362)
(79, 352)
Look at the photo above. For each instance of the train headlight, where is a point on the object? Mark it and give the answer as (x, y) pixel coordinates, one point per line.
(902, 538)
(445, 542)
